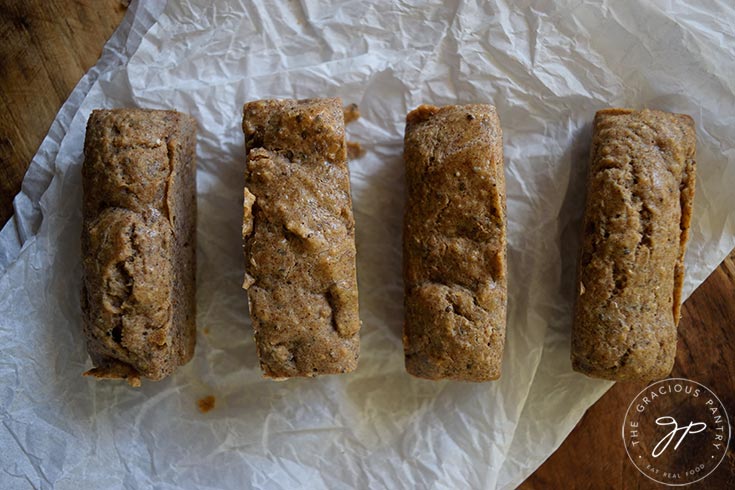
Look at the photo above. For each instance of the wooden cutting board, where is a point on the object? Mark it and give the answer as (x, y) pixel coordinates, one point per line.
(46, 46)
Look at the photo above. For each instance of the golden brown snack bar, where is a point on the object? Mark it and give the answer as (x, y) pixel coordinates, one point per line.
(640, 189)
(299, 236)
(454, 243)
(139, 242)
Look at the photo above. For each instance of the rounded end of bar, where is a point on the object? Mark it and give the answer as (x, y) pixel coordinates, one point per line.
(422, 113)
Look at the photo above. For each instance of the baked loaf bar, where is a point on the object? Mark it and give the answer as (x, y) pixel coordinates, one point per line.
(138, 242)
(454, 243)
(639, 202)
(299, 236)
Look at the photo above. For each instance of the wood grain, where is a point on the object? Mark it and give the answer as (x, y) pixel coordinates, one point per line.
(47, 45)
(593, 456)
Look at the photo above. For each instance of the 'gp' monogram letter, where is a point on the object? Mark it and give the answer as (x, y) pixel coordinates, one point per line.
(685, 429)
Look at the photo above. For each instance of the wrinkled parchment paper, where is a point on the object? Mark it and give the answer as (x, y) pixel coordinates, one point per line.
(547, 66)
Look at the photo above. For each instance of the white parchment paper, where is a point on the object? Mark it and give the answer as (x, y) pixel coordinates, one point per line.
(547, 66)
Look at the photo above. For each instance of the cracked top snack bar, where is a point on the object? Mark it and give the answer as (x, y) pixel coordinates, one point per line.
(454, 243)
(640, 189)
(139, 242)
(299, 238)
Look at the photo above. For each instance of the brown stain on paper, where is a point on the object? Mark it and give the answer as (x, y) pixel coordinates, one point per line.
(206, 404)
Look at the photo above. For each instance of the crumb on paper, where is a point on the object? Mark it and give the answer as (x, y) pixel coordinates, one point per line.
(352, 113)
(206, 404)
(119, 371)
(354, 150)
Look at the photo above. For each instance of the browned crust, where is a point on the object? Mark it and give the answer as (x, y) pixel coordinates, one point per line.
(640, 190)
(299, 238)
(454, 243)
(139, 242)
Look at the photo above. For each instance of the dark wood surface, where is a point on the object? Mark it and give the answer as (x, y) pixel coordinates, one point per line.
(46, 46)
(593, 456)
